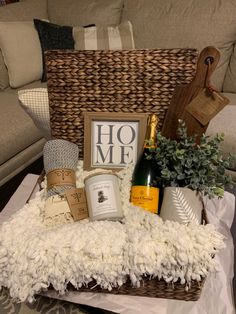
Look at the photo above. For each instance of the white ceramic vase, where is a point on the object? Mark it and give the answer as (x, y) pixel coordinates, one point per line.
(182, 205)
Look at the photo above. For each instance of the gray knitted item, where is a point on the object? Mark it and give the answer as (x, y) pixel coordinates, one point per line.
(60, 154)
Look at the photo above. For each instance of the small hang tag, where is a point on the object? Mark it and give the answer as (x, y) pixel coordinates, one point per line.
(56, 211)
(77, 202)
(206, 105)
(56, 205)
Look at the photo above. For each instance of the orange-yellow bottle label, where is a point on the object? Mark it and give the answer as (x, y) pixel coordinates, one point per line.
(146, 197)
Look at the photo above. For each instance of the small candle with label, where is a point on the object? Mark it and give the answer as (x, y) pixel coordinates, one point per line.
(103, 196)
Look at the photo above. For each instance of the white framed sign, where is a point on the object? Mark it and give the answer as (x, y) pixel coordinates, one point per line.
(112, 140)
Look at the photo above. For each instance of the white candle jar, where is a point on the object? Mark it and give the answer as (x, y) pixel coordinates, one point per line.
(103, 196)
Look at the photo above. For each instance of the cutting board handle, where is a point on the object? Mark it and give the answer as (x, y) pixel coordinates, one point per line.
(206, 65)
(183, 94)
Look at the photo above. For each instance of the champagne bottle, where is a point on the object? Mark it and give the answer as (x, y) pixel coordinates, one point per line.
(146, 176)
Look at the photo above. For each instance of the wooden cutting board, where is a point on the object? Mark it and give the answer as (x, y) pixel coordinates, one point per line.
(184, 94)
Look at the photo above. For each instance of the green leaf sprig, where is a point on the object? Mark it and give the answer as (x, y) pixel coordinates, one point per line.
(200, 167)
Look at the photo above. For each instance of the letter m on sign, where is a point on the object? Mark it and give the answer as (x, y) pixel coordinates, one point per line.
(104, 156)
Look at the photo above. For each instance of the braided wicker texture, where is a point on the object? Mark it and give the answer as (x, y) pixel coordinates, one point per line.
(141, 81)
(153, 288)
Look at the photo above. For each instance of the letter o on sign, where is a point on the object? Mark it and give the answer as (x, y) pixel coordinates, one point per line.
(126, 134)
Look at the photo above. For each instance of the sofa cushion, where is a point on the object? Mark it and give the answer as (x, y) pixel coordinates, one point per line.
(82, 12)
(17, 129)
(224, 122)
(21, 52)
(230, 78)
(20, 161)
(53, 36)
(20, 11)
(24, 10)
(35, 103)
(4, 80)
(104, 37)
(184, 23)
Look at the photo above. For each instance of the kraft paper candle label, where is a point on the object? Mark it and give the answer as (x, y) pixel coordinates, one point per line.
(77, 202)
(206, 105)
(58, 177)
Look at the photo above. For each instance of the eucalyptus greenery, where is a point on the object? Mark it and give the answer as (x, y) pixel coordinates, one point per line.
(200, 167)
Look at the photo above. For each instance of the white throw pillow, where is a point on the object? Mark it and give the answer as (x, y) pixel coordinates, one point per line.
(21, 51)
(35, 102)
(115, 37)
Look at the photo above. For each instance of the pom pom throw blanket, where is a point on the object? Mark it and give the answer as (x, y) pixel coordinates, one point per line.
(33, 256)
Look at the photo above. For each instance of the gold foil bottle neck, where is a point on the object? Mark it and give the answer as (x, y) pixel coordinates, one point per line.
(151, 132)
(153, 120)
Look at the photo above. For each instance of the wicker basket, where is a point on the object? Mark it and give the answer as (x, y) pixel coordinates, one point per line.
(141, 81)
(152, 288)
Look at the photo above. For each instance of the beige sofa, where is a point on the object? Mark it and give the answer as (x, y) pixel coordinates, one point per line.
(156, 24)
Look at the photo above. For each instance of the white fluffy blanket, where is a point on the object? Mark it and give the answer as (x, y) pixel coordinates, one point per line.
(33, 256)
